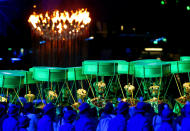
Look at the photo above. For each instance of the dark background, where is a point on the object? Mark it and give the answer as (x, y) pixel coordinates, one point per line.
(143, 22)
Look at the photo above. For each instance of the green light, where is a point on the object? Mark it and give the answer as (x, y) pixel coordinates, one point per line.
(155, 42)
(75, 73)
(164, 40)
(188, 7)
(9, 49)
(162, 2)
(150, 70)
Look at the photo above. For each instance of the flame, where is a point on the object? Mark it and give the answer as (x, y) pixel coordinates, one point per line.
(60, 23)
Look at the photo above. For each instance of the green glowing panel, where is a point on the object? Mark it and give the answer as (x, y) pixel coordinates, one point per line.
(28, 75)
(184, 66)
(51, 74)
(11, 80)
(75, 73)
(132, 63)
(28, 79)
(152, 70)
(31, 69)
(123, 66)
(174, 66)
(107, 68)
(185, 58)
(90, 67)
(99, 67)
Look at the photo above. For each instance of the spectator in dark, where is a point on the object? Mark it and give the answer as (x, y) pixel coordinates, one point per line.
(149, 114)
(39, 105)
(119, 122)
(28, 111)
(167, 119)
(3, 114)
(157, 120)
(139, 122)
(46, 122)
(11, 123)
(105, 118)
(69, 118)
(108, 110)
(60, 121)
(85, 122)
(131, 111)
(66, 108)
(179, 119)
(185, 126)
(24, 122)
(59, 116)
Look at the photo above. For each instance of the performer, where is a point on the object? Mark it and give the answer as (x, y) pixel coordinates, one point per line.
(46, 122)
(119, 122)
(86, 121)
(24, 122)
(10, 123)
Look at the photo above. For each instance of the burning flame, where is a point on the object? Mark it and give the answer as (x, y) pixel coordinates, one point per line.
(60, 24)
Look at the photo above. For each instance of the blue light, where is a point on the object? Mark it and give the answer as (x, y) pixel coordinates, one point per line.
(15, 59)
(1, 59)
(156, 41)
(42, 42)
(90, 38)
(14, 53)
(30, 51)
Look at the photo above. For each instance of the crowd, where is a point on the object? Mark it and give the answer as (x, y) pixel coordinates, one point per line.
(14, 117)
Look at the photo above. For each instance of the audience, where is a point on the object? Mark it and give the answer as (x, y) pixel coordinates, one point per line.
(28, 111)
(105, 117)
(157, 120)
(185, 126)
(11, 122)
(3, 114)
(118, 123)
(86, 121)
(46, 122)
(179, 119)
(166, 124)
(24, 122)
(139, 122)
(69, 117)
(122, 118)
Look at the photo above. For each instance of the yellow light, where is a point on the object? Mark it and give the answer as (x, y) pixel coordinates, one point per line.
(134, 29)
(153, 49)
(34, 6)
(22, 51)
(122, 27)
